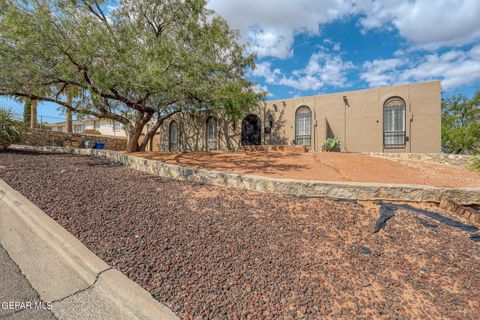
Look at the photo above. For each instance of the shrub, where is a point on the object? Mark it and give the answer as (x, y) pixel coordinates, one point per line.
(92, 131)
(332, 144)
(10, 130)
(475, 165)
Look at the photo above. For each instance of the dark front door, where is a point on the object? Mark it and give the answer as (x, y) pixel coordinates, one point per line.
(251, 131)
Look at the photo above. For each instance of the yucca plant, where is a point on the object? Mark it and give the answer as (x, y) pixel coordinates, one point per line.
(331, 144)
(475, 165)
(10, 130)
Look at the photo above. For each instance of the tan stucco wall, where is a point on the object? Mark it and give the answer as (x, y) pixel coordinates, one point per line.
(359, 126)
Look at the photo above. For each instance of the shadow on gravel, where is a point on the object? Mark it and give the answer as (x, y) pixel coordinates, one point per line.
(387, 211)
(35, 153)
(105, 163)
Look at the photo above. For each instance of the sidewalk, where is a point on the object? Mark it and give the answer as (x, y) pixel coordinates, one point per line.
(14, 287)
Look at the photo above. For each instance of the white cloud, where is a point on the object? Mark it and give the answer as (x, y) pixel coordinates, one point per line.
(379, 73)
(455, 68)
(259, 88)
(271, 25)
(264, 70)
(323, 69)
(427, 24)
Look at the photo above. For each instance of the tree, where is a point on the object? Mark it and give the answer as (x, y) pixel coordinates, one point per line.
(70, 94)
(27, 104)
(461, 124)
(33, 114)
(140, 61)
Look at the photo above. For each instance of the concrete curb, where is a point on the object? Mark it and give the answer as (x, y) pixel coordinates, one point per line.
(341, 190)
(62, 269)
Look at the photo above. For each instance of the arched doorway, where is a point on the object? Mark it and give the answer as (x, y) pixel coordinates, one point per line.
(251, 131)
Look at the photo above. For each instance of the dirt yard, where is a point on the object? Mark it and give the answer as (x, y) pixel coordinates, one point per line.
(324, 166)
(213, 253)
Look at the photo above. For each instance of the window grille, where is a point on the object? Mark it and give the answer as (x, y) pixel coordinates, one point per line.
(212, 134)
(173, 137)
(303, 127)
(394, 124)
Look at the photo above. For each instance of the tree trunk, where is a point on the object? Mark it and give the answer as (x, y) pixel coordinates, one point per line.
(136, 131)
(151, 133)
(33, 114)
(27, 112)
(69, 122)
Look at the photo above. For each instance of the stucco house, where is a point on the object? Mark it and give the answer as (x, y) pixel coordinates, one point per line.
(104, 126)
(404, 118)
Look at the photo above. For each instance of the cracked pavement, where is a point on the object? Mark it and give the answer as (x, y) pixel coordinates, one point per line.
(14, 287)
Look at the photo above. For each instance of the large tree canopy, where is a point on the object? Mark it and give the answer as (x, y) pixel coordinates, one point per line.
(461, 124)
(132, 61)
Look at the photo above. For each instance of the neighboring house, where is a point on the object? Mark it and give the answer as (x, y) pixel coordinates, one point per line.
(104, 126)
(404, 118)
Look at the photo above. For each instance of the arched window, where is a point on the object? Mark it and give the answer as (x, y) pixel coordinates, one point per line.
(173, 136)
(212, 134)
(394, 123)
(270, 120)
(303, 127)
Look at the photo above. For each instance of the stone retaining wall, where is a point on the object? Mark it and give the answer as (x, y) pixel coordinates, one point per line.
(307, 188)
(451, 159)
(42, 137)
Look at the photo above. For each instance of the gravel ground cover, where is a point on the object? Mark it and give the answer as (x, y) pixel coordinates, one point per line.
(213, 253)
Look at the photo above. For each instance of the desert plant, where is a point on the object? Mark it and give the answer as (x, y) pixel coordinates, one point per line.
(331, 144)
(475, 165)
(92, 131)
(10, 130)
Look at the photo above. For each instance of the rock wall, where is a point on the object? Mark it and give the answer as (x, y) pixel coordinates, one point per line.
(301, 188)
(42, 137)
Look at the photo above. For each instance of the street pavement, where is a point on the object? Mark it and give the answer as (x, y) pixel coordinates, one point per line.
(18, 300)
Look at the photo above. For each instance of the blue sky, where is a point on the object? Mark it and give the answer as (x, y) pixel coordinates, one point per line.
(307, 47)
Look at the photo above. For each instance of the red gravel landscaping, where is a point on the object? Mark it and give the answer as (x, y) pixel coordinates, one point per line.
(213, 253)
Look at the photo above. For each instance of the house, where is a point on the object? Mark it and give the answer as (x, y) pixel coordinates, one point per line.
(104, 126)
(404, 118)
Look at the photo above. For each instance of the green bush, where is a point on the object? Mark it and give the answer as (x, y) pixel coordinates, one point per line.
(10, 130)
(475, 165)
(332, 144)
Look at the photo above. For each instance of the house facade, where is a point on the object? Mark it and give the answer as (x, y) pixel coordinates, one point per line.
(106, 127)
(404, 118)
